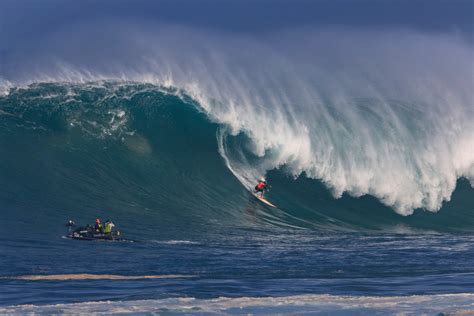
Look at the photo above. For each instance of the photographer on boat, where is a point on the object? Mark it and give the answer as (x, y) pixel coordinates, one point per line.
(108, 227)
(98, 227)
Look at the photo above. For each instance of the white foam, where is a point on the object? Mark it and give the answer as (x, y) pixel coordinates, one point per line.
(294, 93)
(453, 304)
(5, 87)
(88, 276)
(175, 242)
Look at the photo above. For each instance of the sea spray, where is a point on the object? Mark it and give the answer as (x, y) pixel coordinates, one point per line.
(363, 114)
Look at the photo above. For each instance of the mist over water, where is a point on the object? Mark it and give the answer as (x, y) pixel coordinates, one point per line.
(387, 113)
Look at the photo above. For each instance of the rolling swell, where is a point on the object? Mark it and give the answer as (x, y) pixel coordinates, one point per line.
(141, 152)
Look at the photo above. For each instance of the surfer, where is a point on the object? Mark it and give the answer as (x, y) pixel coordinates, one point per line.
(261, 187)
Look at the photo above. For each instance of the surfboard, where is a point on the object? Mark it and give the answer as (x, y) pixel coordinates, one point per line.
(263, 200)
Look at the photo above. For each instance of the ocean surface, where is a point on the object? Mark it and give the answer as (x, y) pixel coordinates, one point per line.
(176, 180)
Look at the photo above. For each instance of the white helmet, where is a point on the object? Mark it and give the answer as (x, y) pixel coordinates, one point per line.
(262, 180)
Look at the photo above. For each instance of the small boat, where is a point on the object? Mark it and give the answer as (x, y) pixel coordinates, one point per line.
(89, 233)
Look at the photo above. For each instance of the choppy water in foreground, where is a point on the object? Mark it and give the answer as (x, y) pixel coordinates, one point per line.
(256, 270)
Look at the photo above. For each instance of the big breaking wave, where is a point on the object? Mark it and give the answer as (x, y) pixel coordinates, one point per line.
(392, 119)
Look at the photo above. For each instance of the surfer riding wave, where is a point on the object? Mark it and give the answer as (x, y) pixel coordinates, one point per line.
(261, 187)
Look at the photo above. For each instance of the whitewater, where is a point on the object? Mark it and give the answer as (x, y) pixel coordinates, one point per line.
(365, 134)
(361, 120)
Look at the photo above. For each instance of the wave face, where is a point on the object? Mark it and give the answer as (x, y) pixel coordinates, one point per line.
(159, 152)
(365, 116)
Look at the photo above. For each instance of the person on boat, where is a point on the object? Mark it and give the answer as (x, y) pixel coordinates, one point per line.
(108, 226)
(99, 228)
(261, 187)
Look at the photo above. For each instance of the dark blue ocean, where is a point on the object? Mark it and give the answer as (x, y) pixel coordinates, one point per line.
(151, 159)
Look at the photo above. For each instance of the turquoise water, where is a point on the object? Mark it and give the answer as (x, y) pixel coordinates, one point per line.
(173, 178)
